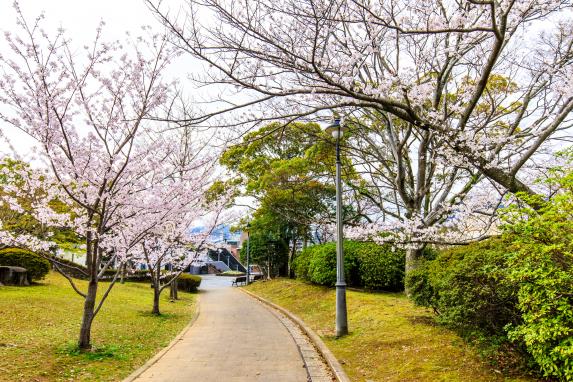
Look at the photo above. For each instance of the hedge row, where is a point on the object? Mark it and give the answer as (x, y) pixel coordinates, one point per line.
(188, 283)
(366, 264)
(36, 265)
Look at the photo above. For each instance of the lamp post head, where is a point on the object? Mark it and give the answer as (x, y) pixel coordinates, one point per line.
(336, 128)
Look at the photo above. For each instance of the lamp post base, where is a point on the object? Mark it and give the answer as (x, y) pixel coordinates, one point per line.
(341, 319)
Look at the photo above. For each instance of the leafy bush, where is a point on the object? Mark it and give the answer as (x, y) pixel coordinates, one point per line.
(381, 266)
(322, 265)
(468, 288)
(365, 264)
(37, 266)
(419, 286)
(317, 264)
(302, 262)
(188, 283)
(542, 266)
(516, 287)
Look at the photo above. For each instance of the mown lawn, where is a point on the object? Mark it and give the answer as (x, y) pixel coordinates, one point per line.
(39, 326)
(389, 340)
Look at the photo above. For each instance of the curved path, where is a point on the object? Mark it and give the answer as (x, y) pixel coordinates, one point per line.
(235, 338)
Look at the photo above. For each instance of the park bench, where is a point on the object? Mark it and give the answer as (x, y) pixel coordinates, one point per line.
(10, 275)
(240, 279)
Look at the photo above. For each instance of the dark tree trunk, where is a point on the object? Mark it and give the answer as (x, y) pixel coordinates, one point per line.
(84, 342)
(156, 294)
(88, 316)
(292, 255)
(123, 270)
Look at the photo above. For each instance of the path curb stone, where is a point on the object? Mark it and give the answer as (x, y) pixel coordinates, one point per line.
(162, 352)
(324, 351)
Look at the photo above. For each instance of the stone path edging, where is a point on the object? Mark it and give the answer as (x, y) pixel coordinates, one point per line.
(162, 352)
(324, 351)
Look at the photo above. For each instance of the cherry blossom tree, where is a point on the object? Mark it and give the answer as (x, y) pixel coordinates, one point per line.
(464, 93)
(88, 111)
(160, 234)
(428, 64)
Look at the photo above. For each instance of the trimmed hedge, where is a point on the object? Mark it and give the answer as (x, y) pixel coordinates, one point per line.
(37, 266)
(366, 265)
(188, 283)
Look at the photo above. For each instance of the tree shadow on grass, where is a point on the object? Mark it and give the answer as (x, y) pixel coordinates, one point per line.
(162, 316)
(97, 353)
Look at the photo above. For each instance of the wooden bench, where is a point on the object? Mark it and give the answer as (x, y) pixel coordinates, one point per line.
(240, 279)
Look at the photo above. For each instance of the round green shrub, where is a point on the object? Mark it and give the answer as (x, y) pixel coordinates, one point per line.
(37, 266)
(469, 289)
(301, 263)
(381, 266)
(188, 283)
(322, 265)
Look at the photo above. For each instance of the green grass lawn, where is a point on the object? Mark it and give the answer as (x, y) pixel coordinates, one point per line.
(39, 326)
(389, 340)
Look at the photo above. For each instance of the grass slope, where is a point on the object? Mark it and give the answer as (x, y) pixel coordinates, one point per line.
(39, 326)
(390, 339)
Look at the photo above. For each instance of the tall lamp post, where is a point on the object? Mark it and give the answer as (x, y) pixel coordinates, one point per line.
(337, 129)
(248, 244)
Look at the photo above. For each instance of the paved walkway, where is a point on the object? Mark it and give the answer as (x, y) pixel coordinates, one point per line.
(234, 339)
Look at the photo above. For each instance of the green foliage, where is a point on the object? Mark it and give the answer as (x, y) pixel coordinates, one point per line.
(419, 286)
(322, 265)
(365, 264)
(542, 265)
(286, 169)
(302, 263)
(468, 287)
(98, 353)
(37, 266)
(188, 283)
(517, 287)
(25, 222)
(267, 243)
(381, 266)
(317, 264)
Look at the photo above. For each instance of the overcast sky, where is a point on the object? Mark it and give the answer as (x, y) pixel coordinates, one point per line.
(79, 18)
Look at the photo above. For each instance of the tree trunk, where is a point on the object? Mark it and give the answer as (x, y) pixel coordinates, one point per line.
(413, 255)
(292, 255)
(173, 291)
(156, 294)
(88, 316)
(123, 269)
